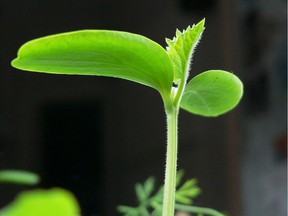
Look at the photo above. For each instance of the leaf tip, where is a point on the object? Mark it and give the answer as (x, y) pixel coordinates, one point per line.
(178, 33)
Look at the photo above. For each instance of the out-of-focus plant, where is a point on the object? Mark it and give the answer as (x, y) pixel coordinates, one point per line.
(44, 202)
(150, 200)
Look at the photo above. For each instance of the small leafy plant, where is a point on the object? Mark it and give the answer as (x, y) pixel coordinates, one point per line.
(44, 202)
(150, 202)
(136, 58)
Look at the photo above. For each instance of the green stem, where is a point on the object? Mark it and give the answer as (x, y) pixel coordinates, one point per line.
(171, 162)
(198, 210)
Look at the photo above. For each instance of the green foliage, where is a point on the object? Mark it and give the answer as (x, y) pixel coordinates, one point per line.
(199, 211)
(181, 49)
(187, 191)
(150, 200)
(18, 177)
(100, 52)
(53, 202)
(139, 59)
(212, 93)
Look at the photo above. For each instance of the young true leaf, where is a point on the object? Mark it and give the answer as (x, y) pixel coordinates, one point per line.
(212, 93)
(181, 49)
(43, 202)
(100, 52)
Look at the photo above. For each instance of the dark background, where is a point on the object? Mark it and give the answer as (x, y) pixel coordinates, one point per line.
(99, 136)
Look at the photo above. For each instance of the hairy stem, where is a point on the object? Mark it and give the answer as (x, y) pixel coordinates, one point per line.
(171, 163)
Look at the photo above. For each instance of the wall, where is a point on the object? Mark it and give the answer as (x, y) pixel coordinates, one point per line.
(264, 65)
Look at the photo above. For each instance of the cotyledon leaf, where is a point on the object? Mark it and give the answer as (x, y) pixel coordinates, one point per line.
(99, 52)
(212, 93)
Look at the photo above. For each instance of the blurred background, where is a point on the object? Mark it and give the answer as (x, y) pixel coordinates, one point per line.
(99, 136)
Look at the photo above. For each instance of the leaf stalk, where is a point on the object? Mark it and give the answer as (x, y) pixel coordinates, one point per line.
(198, 210)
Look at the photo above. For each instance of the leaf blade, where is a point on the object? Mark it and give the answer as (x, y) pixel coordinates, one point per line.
(99, 52)
(182, 47)
(19, 177)
(212, 93)
(37, 202)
